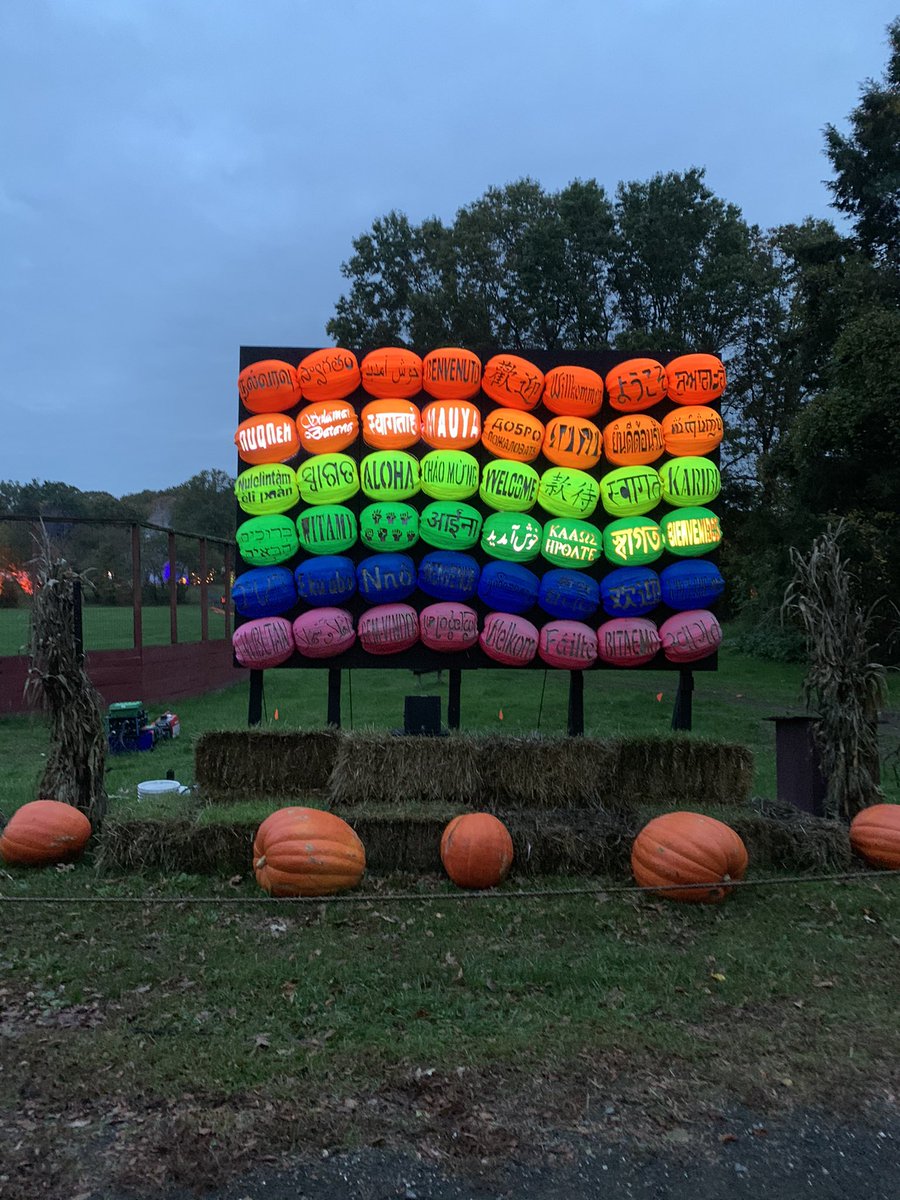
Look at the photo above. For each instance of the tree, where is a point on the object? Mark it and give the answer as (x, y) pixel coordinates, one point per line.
(866, 162)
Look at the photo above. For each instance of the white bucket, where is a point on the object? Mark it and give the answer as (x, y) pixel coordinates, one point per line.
(159, 787)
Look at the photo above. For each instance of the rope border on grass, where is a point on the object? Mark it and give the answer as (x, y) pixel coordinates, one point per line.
(418, 897)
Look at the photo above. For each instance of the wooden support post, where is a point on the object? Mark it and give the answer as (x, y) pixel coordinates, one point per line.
(454, 698)
(254, 708)
(682, 713)
(576, 704)
(334, 697)
(229, 571)
(137, 619)
(204, 594)
(173, 591)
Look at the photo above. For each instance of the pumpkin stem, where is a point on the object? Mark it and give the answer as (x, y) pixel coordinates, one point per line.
(260, 863)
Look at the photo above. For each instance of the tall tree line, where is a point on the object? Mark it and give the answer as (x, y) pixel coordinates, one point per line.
(805, 316)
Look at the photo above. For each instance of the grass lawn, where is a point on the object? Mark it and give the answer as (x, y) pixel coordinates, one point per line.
(182, 1042)
(111, 628)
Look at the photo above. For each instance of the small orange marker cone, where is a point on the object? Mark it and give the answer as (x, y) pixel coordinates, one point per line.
(276, 714)
(500, 714)
(659, 696)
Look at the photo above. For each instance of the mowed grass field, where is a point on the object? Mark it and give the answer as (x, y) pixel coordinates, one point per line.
(107, 627)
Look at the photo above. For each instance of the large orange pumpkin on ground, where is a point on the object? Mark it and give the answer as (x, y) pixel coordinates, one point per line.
(688, 848)
(875, 835)
(306, 852)
(44, 832)
(476, 850)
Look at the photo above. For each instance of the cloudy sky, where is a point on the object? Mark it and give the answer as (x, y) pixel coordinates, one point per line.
(178, 177)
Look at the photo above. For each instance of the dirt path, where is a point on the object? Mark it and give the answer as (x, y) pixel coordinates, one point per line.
(745, 1156)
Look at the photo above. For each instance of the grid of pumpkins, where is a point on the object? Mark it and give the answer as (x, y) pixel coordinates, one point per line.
(685, 856)
(475, 486)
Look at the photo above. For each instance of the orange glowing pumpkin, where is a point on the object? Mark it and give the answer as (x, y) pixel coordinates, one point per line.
(269, 386)
(329, 374)
(391, 424)
(451, 424)
(636, 384)
(327, 425)
(512, 433)
(573, 391)
(692, 430)
(451, 373)
(267, 438)
(633, 441)
(391, 371)
(695, 378)
(512, 382)
(573, 442)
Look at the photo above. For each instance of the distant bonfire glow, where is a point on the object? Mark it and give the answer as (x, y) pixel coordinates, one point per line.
(16, 575)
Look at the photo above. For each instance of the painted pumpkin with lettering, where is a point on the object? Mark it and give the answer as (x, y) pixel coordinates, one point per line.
(476, 850)
(689, 480)
(326, 529)
(689, 636)
(448, 575)
(389, 372)
(568, 542)
(636, 384)
(393, 424)
(691, 583)
(451, 424)
(509, 639)
(571, 391)
(389, 475)
(566, 492)
(450, 525)
(448, 626)
(512, 382)
(307, 852)
(692, 429)
(449, 474)
(511, 536)
(568, 645)
(691, 532)
(263, 642)
(680, 850)
(632, 541)
(264, 592)
(630, 591)
(630, 491)
(573, 442)
(267, 541)
(628, 641)
(386, 578)
(328, 478)
(328, 374)
(875, 835)
(43, 832)
(266, 489)
(695, 378)
(325, 580)
(327, 425)
(269, 386)
(323, 632)
(388, 629)
(509, 486)
(569, 595)
(508, 587)
(633, 441)
(268, 438)
(511, 433)
(451, 373)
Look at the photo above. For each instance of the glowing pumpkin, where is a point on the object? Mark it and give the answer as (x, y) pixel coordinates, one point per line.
(628, 641)
(447, 575)
(305, 852)
(875, 835)
(386, 578)
(390, 475)
(267, 541)
(689, 636)
(323, 632)
(388, 525)
(693, 429)
(689, 480)
(451, 424)
(266, 489)
(509, 486)
(695, 378)
(571, 543)
(450, 525)
(636, 384)
(690, 532)
(264, 592)
(328, 478)
(269, 438)
(263, 642)
(44, 832)
(451, 373)
(566, 492)
(633, 441)
(511, 433)
(511, 536)
(512, 382)
(449, 474)
(573, 391)
(327, 425)
(326, 529)
(632, 541)
(391, 371)
(569, 645)
(476, 850)
(391, 424)
(573, 442)
(685, 848)
(325, 580)
(329, 374)
(630, 491)
(269, 386)
(509, 639)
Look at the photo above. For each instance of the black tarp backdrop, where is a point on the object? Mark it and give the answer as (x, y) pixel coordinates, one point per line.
(419, 657)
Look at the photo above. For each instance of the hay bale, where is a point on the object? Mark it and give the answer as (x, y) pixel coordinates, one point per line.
(256, 762)
(373, 768)
(779, 837)
(570, 842)
(175, 847)
(679, 771)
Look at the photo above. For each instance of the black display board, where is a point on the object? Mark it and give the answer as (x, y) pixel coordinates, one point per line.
(421, 657)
